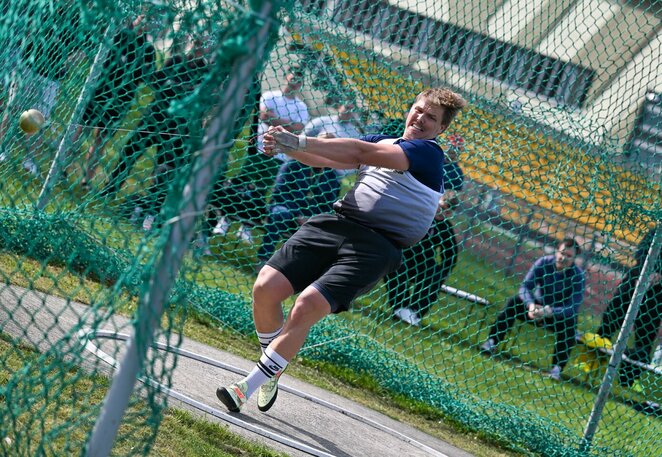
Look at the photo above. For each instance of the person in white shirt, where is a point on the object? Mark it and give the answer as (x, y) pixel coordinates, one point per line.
(257, 176)
(341, 125)
(283, 107)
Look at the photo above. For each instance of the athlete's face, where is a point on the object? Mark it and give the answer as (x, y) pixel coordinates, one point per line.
(424, 121)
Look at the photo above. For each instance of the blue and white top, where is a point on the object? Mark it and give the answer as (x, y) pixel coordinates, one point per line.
(398, 204)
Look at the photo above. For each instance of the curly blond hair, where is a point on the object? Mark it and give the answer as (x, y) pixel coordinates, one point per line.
(451, 102)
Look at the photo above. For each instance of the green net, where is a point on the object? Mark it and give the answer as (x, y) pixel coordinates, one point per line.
(145, 188)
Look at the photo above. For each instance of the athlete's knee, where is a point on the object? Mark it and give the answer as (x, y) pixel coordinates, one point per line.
(271, 286)
(309, 308)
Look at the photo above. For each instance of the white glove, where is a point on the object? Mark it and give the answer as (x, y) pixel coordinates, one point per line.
(287, 141)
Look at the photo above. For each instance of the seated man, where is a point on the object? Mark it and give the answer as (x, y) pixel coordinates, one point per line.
(551, 294)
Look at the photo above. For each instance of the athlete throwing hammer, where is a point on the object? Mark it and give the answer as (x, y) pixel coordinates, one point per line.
(334, 258)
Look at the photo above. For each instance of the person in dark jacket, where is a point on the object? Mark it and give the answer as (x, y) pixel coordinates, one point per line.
(420, 268)
(647, 322)
(551, 294)
(174, 134)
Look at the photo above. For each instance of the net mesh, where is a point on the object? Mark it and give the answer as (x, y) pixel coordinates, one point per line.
(562, 138)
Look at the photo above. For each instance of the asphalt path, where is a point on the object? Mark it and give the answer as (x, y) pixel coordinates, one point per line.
(305, 420)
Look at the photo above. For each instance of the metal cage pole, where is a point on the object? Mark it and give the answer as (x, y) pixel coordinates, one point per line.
(621, 341)
(211, 155)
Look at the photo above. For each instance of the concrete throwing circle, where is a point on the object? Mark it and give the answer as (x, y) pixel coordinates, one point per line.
(88, 335)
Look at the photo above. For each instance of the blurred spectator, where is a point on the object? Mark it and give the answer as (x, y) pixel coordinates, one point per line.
(419, 265)
(129, 62)
(283, 107)
(550, 295)
(235, 196)
(647, 323)
(175, 135)
(258, 172)
(9, 64)
(343, 124)
(300, 192)
(43, 64)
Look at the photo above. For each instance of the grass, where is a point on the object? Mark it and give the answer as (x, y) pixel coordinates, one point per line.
(445, 347)
(448, 341)
(183, 432)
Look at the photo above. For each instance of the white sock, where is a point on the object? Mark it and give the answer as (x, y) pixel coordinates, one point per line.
(270, 364)
(265, 339)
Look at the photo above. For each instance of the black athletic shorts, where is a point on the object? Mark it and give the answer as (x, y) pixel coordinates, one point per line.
(340, 258)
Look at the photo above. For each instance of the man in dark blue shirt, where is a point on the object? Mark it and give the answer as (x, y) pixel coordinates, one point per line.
(552, 292)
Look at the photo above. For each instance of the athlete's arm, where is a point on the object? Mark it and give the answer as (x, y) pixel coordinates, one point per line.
(346, 151)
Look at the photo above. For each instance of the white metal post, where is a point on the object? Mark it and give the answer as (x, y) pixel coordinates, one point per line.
(211, 157)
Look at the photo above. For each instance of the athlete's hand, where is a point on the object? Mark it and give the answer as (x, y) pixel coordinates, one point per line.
(278, 140)
(269, 142)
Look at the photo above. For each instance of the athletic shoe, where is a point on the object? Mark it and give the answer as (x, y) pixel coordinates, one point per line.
(222, 226)
(488, 347)
(31, 167)
(408, 316)
(245, 234)
(148, 222)
(233, 396)
(555, 373)
(266, 395)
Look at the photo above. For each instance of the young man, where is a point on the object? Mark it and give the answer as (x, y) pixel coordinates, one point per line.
(552, 292)
(332, 259)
